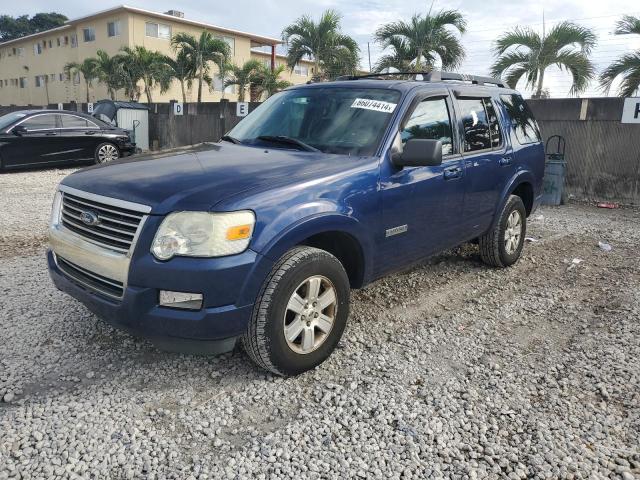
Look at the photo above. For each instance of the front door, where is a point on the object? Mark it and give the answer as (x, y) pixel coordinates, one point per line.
(39, 145)
(422, 206)
(81, 135)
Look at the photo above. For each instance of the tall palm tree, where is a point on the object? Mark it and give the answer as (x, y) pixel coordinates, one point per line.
(523, 52)
(426, 38)
(88, 70)
(179, 68)
(268, 81)
(244, 76)
(201, 52)
(628, 65)
(110, 72)
(401, 58)
(147, 66)
(322, 42)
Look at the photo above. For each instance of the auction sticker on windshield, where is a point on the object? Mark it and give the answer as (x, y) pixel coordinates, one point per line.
(375, 105)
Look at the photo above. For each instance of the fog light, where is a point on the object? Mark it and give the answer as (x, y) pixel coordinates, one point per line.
(185, 300)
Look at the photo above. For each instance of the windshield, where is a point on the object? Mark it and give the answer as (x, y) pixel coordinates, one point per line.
(332, 120)
(9, 118)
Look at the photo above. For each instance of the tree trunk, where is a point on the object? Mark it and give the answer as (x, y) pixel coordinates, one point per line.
(147, 90)
(540, 84)
(86, 82)
(241, 89)
(200, 78)
(184, 95)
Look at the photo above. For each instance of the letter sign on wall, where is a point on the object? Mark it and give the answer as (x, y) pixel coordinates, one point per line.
(178, 108)
(242, 109)
(631, 110)
(89, 107)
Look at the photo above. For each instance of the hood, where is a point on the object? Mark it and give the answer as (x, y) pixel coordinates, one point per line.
(201, 178)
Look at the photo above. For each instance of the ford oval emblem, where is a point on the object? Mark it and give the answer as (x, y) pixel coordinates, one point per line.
(90, 218)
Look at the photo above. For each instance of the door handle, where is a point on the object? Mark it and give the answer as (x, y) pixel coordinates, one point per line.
(51, 134)
(453, 172)
(89, 133)
(504, 161)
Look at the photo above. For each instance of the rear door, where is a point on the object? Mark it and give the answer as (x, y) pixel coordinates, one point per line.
(81, 136)
(487, 156)
(40, 144)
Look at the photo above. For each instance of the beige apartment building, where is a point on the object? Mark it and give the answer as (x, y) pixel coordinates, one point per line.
(32, 67)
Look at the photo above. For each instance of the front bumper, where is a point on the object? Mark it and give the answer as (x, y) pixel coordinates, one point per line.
(138, 312)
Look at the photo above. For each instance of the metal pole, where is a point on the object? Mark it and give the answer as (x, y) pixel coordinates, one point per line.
(369, 52)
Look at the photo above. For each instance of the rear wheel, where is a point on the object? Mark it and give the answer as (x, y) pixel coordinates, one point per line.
(502, 246)
(300, 313)
(106, 152)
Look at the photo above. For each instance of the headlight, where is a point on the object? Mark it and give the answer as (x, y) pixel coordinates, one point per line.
(203, 234)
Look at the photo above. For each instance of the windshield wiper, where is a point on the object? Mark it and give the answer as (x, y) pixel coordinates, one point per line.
(231, 139)
(288, 141)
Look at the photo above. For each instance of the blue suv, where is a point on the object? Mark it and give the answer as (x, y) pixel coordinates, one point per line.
(323, 188)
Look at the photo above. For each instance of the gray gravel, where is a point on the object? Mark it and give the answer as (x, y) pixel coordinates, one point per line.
(449, 370)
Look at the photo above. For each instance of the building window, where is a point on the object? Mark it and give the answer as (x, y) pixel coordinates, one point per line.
(50, 43)
(74, 40)
(19, 51)
(229, 41)
(66, 40)
(23, 82)
(113, 29)
(52, 77)
(158, 30)
(89, 34)
(37, 48)
(301, 70)
(39, 81)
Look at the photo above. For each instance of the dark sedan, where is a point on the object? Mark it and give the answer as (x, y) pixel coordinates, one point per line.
(31, 138)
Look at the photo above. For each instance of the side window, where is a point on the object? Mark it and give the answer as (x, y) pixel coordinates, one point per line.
(494, 124)
(71, 121)
(523, 125)
(430, 120)
(476, 124)
(40, 122)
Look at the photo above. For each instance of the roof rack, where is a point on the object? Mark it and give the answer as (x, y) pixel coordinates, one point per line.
(432, 76)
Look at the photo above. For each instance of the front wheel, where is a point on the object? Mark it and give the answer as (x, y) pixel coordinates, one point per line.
(300, 313)
(502, 246)
(106, 152)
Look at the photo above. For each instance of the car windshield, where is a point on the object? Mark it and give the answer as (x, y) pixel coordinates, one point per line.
(9, 118)
(332, 120)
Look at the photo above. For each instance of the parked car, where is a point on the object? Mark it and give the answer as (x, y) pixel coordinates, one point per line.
(31, 138)
(323, 188)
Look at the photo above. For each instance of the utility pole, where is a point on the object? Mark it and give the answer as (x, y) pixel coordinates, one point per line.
(369, 52)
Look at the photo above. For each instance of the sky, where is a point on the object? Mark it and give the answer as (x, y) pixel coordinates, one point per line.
(487, 19)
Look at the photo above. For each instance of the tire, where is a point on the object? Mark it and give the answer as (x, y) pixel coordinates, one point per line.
(297, 272)
(106, 152)
(499, 248)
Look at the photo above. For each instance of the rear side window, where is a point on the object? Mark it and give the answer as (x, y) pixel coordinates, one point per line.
(524, 126)
(40, 122)
(430, 120)
(480, 122)
(71, 121)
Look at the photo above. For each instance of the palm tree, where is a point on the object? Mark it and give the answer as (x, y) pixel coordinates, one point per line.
(268, 81)
(147, 66)
(627, 66)
(179, 68)
(244, 76)
(322, 42)
(522, 52)
(401, 58)
(200, 52)
(426, 39)
(110, 72)
(88, 70)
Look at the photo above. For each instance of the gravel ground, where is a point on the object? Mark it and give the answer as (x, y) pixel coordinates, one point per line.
(449, 370)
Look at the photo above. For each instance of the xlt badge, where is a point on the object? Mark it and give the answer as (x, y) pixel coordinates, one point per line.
(396, 230)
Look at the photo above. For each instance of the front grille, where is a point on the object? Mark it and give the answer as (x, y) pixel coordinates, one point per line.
(116, 227)
(90, 280)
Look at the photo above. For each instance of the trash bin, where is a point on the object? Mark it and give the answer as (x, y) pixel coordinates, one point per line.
(554, 172)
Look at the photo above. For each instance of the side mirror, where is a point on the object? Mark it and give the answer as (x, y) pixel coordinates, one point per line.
(19, 130)
(419, 152)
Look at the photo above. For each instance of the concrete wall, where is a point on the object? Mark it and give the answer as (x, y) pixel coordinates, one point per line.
(602, 154)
